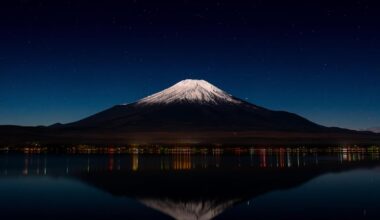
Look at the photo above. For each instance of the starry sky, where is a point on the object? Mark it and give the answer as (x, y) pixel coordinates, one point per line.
(61, 61)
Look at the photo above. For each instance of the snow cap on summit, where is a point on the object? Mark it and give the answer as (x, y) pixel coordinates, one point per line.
(192, 91)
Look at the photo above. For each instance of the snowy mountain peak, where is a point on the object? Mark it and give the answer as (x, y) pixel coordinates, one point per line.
(190, 91)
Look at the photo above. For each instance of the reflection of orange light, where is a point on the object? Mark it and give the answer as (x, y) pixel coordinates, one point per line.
(182, 161)
(135, 162)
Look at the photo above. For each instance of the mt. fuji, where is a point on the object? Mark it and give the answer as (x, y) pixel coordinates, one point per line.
(191, 111)
(193, 105)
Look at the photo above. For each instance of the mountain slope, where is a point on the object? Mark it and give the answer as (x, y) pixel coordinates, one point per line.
(374, 129)
(194, 105)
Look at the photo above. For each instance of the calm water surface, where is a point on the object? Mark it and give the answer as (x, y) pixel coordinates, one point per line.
(212, 184)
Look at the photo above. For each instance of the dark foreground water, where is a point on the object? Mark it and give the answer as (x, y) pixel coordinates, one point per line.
(250, 184)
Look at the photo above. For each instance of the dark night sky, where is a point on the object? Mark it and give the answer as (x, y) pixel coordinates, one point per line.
(63, 60)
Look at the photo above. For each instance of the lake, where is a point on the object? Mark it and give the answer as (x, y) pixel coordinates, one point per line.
(237, 183)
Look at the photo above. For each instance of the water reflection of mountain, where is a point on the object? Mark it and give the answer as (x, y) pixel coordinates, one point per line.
(187, 210)
(205, 194)
(187, 192)
(186, 186)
